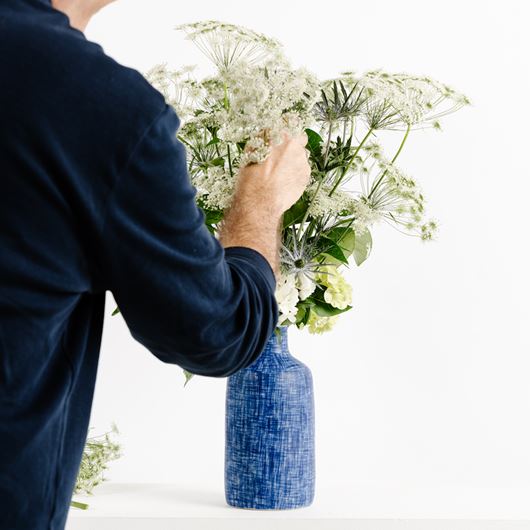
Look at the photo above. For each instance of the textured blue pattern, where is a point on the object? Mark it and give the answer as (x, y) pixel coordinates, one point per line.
(270, 432)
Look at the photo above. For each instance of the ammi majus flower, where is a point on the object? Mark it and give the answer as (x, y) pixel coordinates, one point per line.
(178, 87)
(397, 198)
(235, 115)
(397, 101)
(227, 44)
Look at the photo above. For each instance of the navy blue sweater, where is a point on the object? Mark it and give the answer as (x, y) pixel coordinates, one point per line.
(95, 196)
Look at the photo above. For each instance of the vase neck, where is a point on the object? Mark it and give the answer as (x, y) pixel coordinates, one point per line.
(278, 342)
(275, 356)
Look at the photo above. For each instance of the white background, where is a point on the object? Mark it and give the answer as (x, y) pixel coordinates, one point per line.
(425, 383)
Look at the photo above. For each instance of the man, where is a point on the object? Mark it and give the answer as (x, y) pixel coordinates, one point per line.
(95, 196)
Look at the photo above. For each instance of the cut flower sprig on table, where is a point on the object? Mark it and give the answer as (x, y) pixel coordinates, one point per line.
(97, 453)
(232, 116)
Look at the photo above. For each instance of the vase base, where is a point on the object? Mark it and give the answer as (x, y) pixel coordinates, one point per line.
(271, 509)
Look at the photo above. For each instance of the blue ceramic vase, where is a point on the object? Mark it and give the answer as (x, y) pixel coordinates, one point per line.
(270, 432)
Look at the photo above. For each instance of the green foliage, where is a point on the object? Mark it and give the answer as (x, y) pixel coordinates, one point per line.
(213, 141)
(363, 246)
(341, 154)
(219, 161)
(339, 103)
(212, 218)
(314, 146)
(354, 183)
(321, 307)
(80, 505)
(303, 314)
(188, 376)
(344, 237)
(98, 452)
(331, 248)
(295, 213)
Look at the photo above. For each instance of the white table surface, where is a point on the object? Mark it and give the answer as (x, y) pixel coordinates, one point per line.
(116, 506)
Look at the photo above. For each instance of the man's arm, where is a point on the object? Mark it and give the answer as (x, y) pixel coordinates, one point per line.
(251, 225)
(190, 301)
(264, 191)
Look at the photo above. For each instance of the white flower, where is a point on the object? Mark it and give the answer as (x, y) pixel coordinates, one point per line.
(320, 325)
(397, 197)
(261, 99)
(287, 298)
(305, 283)
(364, 215)
(397, 100)
(227, 44)
(178, 88)
(215, 187)
(236, 115)
(338, 291)
(322, 204)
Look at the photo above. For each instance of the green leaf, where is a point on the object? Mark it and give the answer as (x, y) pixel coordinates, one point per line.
(213, 141)
(323, 309)
(115, 312)
(278, 334)
(329, 247)
(344, 237)
(219, 161)
(313, 139)
(314, 144)
(302, 316)
(363, 246)
(295, 213)
(188, 376)
(80, 505)
(212, 217)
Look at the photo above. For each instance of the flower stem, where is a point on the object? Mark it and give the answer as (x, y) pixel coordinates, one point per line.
(80, 505)
(226, 105)
(380, 179)
(326, 152)
(306, 214)
(225, 99)
(345, 170)
(229, 160)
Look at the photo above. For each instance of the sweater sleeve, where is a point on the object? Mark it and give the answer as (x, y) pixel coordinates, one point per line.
(183, 296)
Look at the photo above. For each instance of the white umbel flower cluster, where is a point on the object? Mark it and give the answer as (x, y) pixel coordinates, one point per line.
(323, 204)
(399, 199)
(363, 215)
(227, 44)
(398, 100)
(180, 90)
(215, 186)
(235, 115)
(268, 97)
(254, 96)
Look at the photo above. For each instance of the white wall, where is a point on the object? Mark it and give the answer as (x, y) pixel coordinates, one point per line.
(425, 382)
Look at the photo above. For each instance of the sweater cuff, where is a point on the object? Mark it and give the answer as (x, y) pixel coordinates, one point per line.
(256, 259)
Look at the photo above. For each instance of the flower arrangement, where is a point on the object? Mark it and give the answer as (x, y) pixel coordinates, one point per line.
(97, 453)
(253, 94)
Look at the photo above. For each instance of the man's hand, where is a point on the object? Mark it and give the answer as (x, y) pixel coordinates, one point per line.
(264, 191)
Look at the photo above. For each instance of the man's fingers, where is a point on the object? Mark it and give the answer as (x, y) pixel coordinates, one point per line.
(301, 138)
